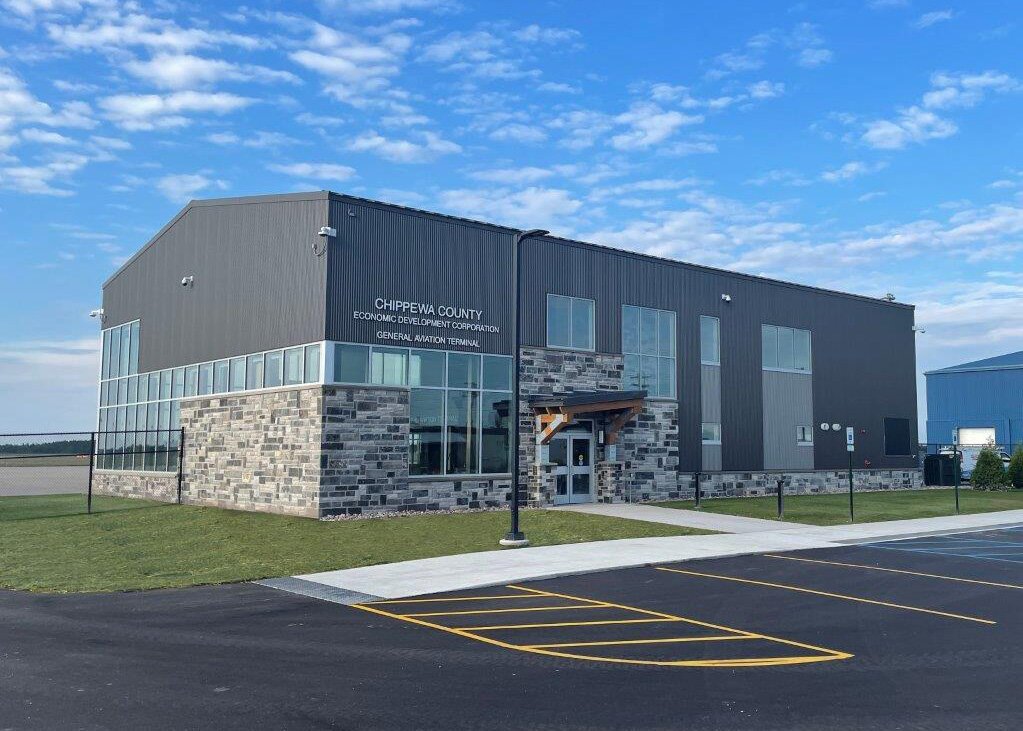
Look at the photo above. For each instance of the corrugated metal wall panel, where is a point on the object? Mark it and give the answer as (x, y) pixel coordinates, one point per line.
(974, 399)
(258, 283)
(788, 403)
(400, 254)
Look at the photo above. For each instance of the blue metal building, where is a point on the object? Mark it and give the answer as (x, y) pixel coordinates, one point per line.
(982, 394)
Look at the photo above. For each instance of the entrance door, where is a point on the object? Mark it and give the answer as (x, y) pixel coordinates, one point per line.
(572, 453)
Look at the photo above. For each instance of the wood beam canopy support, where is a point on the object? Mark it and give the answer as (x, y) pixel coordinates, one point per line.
(552, 419)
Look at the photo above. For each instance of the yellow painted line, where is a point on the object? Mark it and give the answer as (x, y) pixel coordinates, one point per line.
(566, 624)
(503, 611)
(824, 655)
(898, 571)
(666, 640)
(831, 595)
(450, 599)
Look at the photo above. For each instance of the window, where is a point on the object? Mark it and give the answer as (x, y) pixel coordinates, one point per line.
(254, 372)
(427, 368)
(178, 385)
(426, 427)
(496, 423)
(205, 379)
(387, 366)
(133, 353)
(897, 438)
(273, 374)
(710, 340)
(292, 366)
(191, 376)
(648, 347)
(804, 436)
(463, 370)
(351, 363)
(312, 363)
(166, 379)
(569, 322)
(237, 374)
(711, 432)
(221, 376)
(463, 432)
(786, 349)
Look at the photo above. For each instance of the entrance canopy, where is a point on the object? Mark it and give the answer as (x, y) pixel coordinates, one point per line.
(618, 408)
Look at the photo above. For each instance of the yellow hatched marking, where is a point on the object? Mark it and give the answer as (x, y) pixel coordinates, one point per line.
(471, 633)
(451, 599)
(666, 640)
(846, 597)
(898, 571)
(503, 611)
(566, 624)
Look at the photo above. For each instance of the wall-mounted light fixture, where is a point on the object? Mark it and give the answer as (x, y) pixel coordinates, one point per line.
(726, 298)
(188, 281)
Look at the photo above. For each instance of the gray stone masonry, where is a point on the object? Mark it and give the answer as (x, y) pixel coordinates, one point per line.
(146, 485)
(750, 484)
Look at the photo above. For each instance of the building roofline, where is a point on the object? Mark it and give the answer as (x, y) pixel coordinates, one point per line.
(958, 369)
(331, 195)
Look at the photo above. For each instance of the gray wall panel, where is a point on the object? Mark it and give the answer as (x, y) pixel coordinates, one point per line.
(788, 403)
(710, 393)
(711, 457)
(258, 283)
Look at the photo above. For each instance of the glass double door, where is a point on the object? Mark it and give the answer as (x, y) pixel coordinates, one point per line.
(572, 455)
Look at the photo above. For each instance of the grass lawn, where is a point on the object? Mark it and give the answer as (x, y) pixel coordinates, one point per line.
(48, 543)
(870, 506)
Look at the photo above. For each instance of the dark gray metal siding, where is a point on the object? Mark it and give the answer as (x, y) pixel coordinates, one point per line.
(258, 283)
(396, 253)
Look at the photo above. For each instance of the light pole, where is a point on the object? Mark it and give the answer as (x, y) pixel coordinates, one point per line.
(515, 537)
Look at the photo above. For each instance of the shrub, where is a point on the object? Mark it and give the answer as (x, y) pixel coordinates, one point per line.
(1016, 468)
(989, 472)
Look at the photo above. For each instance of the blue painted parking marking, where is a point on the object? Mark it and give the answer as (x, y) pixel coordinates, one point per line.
(1004, 545)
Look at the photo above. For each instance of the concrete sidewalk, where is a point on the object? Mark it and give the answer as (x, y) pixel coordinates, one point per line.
(489, 568)
(686, 518)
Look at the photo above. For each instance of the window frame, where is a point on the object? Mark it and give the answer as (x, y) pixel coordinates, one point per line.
(794, 330)
(717, 323)
(657, 358)
(593, 322)
(710, 442)
(801, 442)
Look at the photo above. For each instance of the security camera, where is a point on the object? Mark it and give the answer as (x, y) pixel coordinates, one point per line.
(726, 298)
(328, 231)
(96, 313)
(187, 281)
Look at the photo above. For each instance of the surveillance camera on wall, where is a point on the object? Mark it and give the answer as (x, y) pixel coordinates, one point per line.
(328, 231)
(726, 298)
(96, 313)
(187, 281)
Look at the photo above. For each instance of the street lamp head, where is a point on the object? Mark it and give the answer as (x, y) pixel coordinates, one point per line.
(530, 233)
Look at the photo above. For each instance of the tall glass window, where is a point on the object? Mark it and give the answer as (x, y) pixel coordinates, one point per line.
(191, 378)
(786, 349)
(221, 376)
(463, 432)
(292, 366)
(710, 340)
(312, 363)
(426, 431)
(205, 379)
(351, 363)
(237, 374)
(496, 423)
(254, 372)
(569, 322)
(426, 368)
(388, 366)
(648, 347)
(273, 375)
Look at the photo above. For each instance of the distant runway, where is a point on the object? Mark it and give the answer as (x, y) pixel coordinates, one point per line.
(43, 480)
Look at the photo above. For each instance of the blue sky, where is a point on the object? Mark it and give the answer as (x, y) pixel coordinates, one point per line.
(867, 145)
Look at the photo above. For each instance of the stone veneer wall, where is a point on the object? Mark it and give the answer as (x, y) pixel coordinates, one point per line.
(254, 451)
(748, 484)
(146, 485)
(648, 449)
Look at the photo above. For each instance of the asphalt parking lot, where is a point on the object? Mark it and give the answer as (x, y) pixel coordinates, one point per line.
(925, 633)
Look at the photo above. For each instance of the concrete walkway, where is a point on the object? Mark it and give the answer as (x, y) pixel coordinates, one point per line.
(490, 568)
(686, 518)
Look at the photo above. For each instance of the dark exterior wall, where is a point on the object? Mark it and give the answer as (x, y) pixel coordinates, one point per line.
(258, 283)
(395, 253)
(863, 349)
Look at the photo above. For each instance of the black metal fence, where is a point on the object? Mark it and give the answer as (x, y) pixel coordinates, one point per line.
(62, 464)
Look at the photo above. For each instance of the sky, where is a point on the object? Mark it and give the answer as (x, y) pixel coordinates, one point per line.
(871, 146)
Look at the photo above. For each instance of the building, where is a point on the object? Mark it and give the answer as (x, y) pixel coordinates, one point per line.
(328, 354)
(981, 401)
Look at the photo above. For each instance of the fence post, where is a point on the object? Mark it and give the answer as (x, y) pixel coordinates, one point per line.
(955, 474)
(781, 504)
(696, 482)
(92, 460)
(852, 515)
(181, 461)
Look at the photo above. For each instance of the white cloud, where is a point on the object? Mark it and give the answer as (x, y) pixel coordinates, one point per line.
(429, 148)
(649, 124)
(319, 120)
(38, 179)
(555, 87)
(851, 170)
(153, 111)
(19, 106)
(180, 188)
(258, 140)
(928, 19)
(582, 128)
(516, 132)
(911, 125)
(513, 176)
(814, 57)
(184, 71)
(966, 90)
(780, 177)
(315, 171)
(115, 30)
(872, 195)
(45, 137)
(389, 6)
(29, 8)
(766, 89)
(529, 207)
